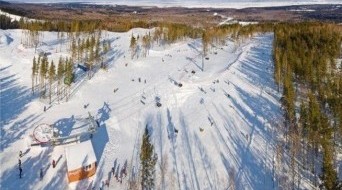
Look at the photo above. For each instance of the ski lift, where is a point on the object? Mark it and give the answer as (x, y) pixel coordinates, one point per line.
(158, 104)
(83, 67)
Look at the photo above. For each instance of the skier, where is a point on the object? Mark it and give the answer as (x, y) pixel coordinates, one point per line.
(20, 154)
(53, 163)
(116, 177)
(113, 170)
(19, 163)
(20, 172)
(44, 108)
(41, 173)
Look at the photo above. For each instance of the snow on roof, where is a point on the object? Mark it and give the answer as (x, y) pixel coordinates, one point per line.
(79, 155)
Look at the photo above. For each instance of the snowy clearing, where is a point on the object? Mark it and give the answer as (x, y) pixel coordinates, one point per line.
(218, 126)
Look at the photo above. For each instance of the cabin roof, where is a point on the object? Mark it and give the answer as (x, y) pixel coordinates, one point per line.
(79, 155)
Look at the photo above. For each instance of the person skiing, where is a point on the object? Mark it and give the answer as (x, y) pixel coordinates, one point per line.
(19, 162)
(20, 172)
(41, 173)
(20, 154)
(53, 163)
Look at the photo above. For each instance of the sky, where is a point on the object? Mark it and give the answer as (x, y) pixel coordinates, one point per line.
(193, 3)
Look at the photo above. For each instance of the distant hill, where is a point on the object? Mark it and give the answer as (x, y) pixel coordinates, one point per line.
(192, 3)
(4, 3)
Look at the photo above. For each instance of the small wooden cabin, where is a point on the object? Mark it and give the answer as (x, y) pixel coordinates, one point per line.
(81, 161)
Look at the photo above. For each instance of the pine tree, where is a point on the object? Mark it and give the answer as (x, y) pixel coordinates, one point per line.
(52, 75)
(97, 52)
(91, 62)
(79, 49)
(148, 161)
(37, 69)
(60, 73)
(329, 175)
(34, 67)
(73, 49)
(43, 71)
(205, 44)
(87, 43)
(146, 44)
(133, 46)
(68, 75)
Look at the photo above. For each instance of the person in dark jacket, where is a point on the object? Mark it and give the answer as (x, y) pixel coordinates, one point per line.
(41, 173)
(20, 172)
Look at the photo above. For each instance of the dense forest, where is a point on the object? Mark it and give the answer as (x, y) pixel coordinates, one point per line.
(307, 69)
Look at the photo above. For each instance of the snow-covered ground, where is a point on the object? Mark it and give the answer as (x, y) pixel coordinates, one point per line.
(193, 3)
(225, 116)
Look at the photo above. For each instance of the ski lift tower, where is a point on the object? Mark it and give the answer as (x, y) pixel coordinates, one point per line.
(92, 124)
(57, 140)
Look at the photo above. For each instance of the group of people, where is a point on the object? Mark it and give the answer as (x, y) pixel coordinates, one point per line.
(115, 172)
(21, 169)
(123, 172)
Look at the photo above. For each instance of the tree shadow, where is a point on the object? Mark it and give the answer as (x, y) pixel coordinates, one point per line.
(14, 98)
(193, 61)
(207, 165)
(188, 151)
(100, 138)
(171, 130)
(65, 125)
(115, 55)
(16, 131)
(196, 45)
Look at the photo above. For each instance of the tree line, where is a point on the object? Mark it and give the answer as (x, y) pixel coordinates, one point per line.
(54, 80)
(48, 78)
(309, 75)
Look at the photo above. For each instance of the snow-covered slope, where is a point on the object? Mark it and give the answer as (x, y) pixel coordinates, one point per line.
(193, 3)
(225, 116)
(14, 17)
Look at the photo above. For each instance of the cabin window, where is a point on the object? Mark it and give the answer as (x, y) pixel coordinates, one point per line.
(86, 168)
